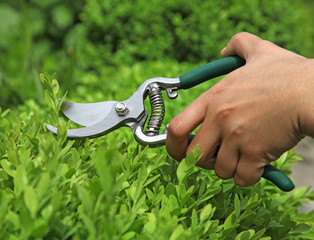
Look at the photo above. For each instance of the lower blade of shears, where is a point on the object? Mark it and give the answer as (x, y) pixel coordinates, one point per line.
(96, 130)
(87, 114)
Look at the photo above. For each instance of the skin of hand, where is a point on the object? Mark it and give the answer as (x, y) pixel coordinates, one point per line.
(254, 114)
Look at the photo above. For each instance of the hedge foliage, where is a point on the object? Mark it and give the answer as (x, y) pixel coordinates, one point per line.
(110, 187)
(35, 36)
(73, 37)
(131, 31)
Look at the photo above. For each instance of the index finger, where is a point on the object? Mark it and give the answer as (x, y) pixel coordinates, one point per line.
(182, 125)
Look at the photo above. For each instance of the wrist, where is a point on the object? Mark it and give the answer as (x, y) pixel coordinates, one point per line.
(306, 119)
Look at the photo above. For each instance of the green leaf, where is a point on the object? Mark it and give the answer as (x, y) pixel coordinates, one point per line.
(152, 179)
(43, 184)
(40, 228)
(194, 219)
(8, 167)
(170, 189)
(133, 193)
(46, 80)
(60, 101)
(88, 223)
(14, 219)
(245, 235)
(50, 100)
(103, 170)
(62, 133)
(259, 234)
(150, 225)
(301, 227)
(13, 157)
(65, 148)
(231, 222)
(207, 213)
(142, 175)
(300, 192)
(173, 202)
(237, 205)
(253, 202)
(55, 86)
(149, 193)
(85, 198)
(20, 179)
(31, 200)
(129, 236)
(186, 166)
(178, 233)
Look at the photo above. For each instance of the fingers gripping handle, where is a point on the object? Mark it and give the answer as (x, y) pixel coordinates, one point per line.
(271, 173)
(221, 67)
(210, 70)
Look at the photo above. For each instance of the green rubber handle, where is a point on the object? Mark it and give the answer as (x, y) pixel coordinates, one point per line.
(210, 70)
(278, 178)
(271, 173)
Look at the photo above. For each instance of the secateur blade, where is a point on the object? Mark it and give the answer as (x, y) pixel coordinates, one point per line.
(96, 130)
(87, 114)
(102, 117)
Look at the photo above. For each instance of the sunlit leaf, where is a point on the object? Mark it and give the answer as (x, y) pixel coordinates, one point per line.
(31, 200)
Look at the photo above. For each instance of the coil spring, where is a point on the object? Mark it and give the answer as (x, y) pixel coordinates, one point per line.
(157, 111)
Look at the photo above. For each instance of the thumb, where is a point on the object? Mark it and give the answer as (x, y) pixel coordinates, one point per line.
(242, 44)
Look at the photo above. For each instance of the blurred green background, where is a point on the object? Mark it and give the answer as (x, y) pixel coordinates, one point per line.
(91, 44)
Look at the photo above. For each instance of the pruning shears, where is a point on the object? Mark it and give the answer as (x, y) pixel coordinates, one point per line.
(103, 117)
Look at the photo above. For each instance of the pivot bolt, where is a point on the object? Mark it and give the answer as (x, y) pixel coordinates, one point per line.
(122, 109)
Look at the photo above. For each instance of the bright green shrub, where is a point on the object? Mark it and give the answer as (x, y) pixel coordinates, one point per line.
(112, 188)
(35, 36)
(131, 31)
(73, 37)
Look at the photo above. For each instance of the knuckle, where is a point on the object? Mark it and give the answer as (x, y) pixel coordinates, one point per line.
(247, 175)
(238, 38)
(206, 164)
(222, 174)
(175, 127)
(243, 181)
(238, 130)
(240, 182)
(223, 112)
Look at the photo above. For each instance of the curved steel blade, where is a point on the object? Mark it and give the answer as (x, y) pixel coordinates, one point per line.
(92, 131)
(87, 114)
(106, 118)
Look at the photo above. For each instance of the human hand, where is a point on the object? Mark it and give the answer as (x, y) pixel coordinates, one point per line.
(254, 114)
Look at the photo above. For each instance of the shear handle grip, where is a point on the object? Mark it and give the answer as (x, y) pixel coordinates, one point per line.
(210, 70)
(271, 173)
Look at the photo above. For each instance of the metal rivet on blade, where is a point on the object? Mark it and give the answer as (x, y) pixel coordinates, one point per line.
(122, 109)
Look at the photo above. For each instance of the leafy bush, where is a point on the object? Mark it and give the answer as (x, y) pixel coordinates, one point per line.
(73, 37)
(35, 36)
(131, 31)
(112, 188)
